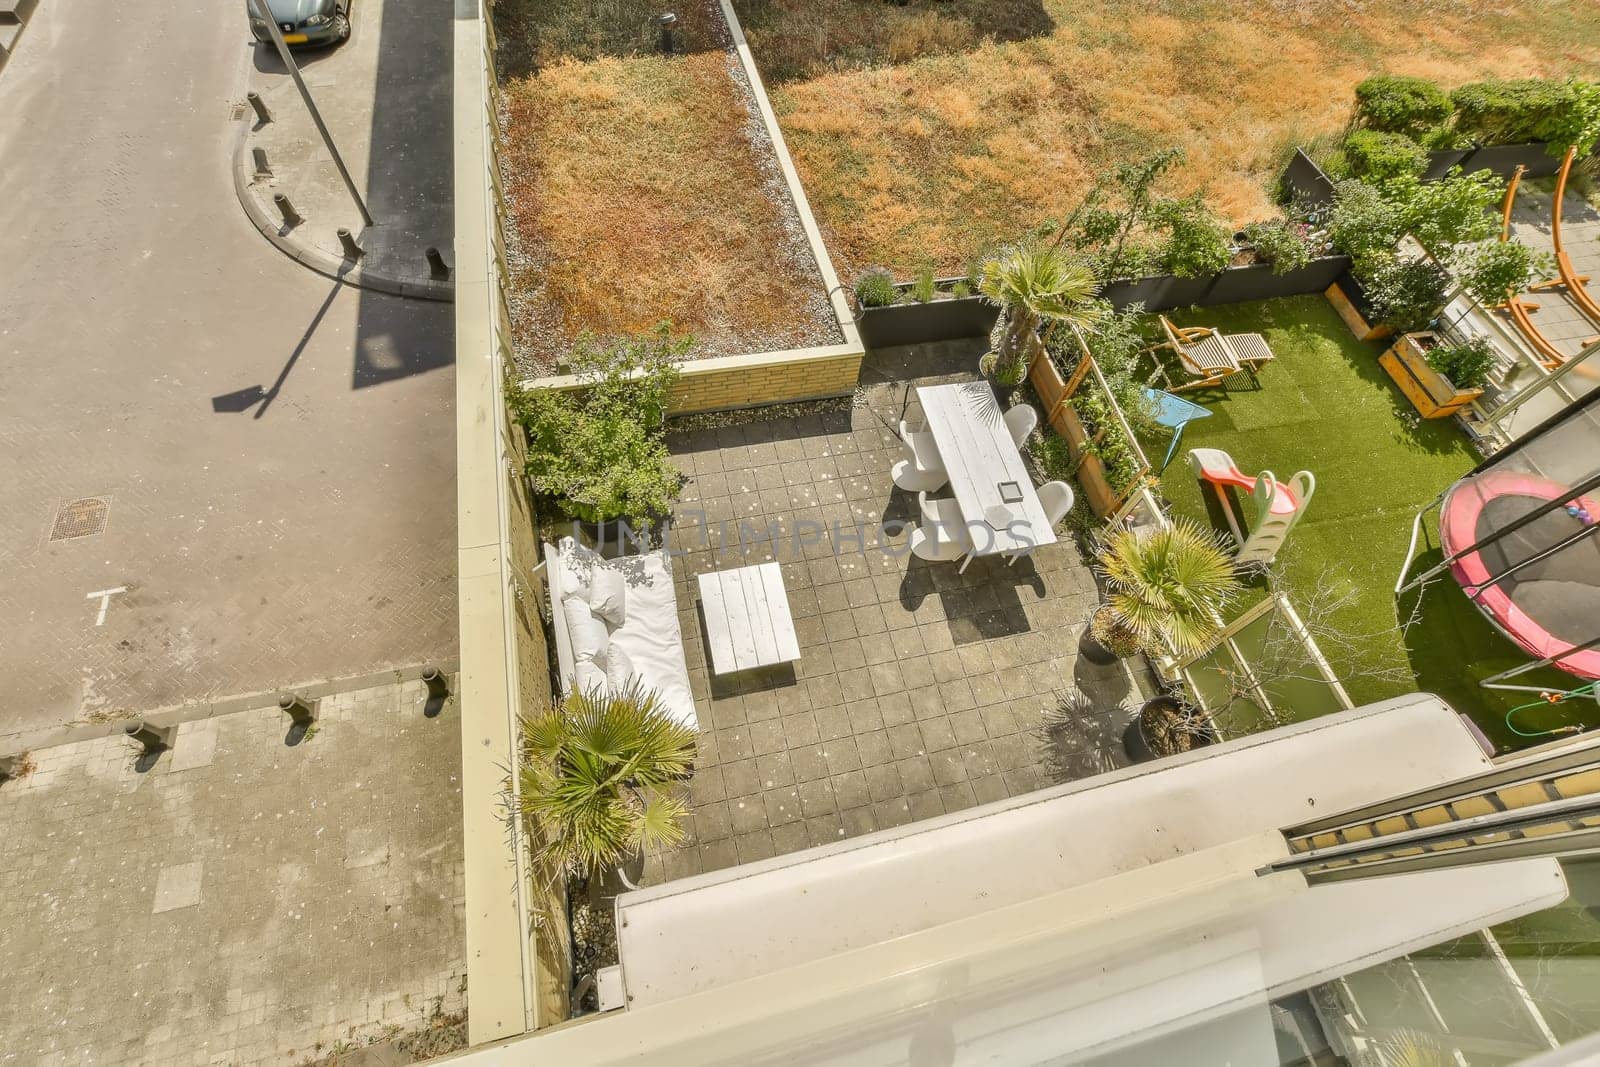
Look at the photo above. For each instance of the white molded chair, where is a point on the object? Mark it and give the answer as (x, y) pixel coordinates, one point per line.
(913, 479)
(942, 536)
(921, 447)
(1021, 420)
(1056, 499)
(921, 470)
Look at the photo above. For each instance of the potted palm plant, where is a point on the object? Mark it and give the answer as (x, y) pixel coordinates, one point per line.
(599, 776)
(1165, 590)
(1164, 586)
(1033, 283)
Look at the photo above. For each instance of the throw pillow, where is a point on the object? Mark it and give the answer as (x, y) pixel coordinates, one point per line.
(608, 595)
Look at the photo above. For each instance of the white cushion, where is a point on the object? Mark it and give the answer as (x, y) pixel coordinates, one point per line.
(578, 564)
(584, 630)
(619, 669)
(608, 595)
(588, 678)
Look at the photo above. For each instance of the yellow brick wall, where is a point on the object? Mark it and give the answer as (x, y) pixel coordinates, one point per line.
(779, 382)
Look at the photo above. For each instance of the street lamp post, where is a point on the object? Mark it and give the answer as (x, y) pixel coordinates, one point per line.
(265, 14)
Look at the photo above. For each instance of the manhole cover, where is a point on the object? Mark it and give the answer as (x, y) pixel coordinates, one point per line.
(81, 518)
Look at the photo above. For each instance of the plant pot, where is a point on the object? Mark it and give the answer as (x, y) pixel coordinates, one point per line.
(1350, 301)
(944, 318)
(1099, 652)
(618, 536)
(1431, 393)
(1091, 474)
(1003, 389)
(1164, 717)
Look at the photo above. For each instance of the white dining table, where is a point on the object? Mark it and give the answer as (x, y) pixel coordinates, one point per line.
(985, 467)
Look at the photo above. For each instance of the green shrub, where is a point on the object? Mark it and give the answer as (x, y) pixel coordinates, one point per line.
(1467, 364)
(1406, 294)
(1530, 109)
(923, 288)
(1489, 270)
(1578, 124)
(1335, 164)
(1196, 243)
(1054, 456)
(960, 289)
(1377, 156)
(1363, 224)
(876, 289)
(1455, 210)
(1116, 342)
(600, 449)
(1367, 220)
(1394, 103)
(1282, 244)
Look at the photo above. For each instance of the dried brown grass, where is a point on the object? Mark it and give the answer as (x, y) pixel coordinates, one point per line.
(990, 130)
(637, 194)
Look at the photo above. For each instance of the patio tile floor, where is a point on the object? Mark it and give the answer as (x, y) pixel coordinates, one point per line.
(919, 690)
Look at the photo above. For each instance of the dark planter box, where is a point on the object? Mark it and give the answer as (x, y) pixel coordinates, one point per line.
(1441, 160)
(1157, 292)
(1503, 159)
(946, 319)
(1163, 292)
(1304, 180)
(1257, 282)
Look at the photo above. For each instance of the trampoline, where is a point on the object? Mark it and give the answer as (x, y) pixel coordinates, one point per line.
(1547, 604)
(1521, 535)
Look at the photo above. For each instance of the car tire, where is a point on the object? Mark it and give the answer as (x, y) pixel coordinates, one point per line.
(341, 27)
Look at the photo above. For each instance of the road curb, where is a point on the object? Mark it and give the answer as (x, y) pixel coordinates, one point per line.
(194, 711)
(324, 263)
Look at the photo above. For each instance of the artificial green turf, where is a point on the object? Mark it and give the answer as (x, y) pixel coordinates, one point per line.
(1324, 405)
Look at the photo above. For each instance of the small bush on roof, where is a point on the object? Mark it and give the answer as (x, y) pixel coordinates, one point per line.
(1394, 103)
(1467, 364)
(1407, 294)
(1196, 243)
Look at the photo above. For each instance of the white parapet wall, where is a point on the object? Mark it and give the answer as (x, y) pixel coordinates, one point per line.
(518, 973)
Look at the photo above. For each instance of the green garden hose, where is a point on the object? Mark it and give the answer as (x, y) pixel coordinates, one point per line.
(1551, 699)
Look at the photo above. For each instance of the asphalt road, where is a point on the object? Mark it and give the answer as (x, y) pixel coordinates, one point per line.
(276, 451)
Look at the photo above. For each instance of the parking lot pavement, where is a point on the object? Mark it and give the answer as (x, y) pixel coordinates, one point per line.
(223, 473)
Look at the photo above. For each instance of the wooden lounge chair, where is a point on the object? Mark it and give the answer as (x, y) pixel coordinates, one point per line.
(1211, 358)
(1550, 357)
(1576, 284)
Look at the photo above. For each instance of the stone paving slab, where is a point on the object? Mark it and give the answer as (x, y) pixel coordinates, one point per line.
(243, 900)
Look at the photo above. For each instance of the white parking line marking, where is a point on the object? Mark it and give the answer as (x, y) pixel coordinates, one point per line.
(105, 596)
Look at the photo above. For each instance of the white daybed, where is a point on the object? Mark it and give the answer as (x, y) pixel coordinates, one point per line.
(649, 634)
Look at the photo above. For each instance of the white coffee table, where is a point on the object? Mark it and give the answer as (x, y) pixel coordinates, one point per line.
(748, 624)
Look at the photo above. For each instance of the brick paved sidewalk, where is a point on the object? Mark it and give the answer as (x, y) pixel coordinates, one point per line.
(242, 901)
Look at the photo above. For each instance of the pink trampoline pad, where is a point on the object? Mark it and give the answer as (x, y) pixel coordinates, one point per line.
(1458, 529)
